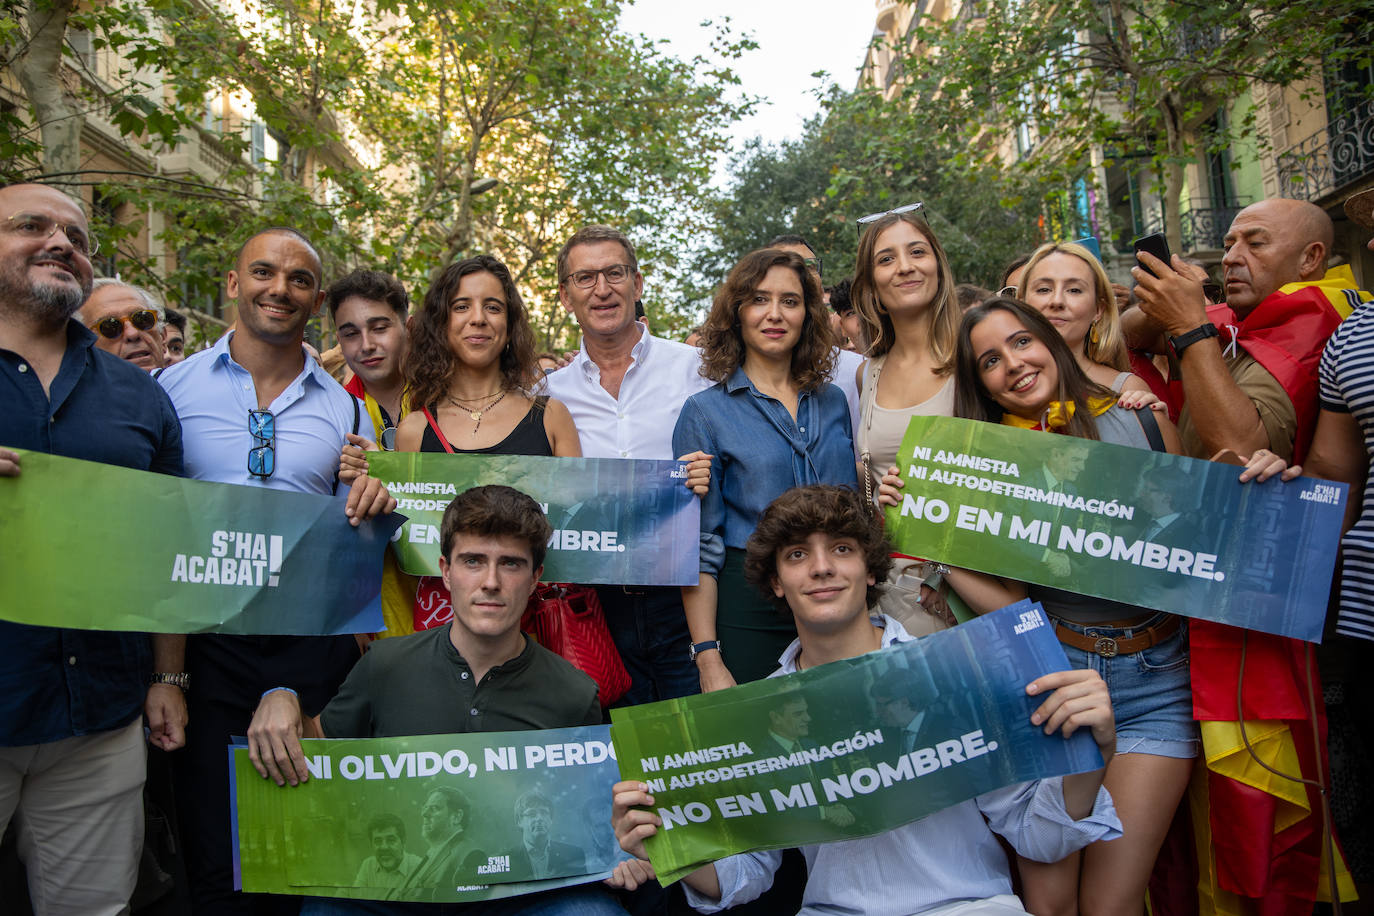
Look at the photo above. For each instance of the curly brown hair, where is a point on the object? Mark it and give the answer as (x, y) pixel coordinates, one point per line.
(722, 344)
(430, 365)
(877, 323)
(803, 511)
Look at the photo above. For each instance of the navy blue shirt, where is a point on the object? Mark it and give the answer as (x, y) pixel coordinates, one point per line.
(59, 683)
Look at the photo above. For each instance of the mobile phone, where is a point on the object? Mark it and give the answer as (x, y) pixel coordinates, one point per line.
(1157, 245)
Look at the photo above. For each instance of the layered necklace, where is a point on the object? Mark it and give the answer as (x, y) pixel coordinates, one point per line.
(474, 411)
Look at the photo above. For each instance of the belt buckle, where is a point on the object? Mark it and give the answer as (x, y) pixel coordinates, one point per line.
(1106, 647)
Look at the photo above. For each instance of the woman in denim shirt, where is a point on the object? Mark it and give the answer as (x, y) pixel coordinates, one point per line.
(771, 422)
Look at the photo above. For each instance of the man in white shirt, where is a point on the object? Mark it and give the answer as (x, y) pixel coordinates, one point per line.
(625, 389)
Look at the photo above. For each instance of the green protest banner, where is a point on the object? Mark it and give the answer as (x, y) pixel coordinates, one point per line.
(436, 817)
(98, 547)
(807, 757)
(616, 521)
(1147, 528)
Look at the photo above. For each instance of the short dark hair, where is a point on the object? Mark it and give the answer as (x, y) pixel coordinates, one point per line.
(590, 235)
(175, 319)
(897, 689)
(380, 822)
(968, 295)
(1012, 267)
(791, 238)
(803, 511)
(368, 284)
(457, 801)
(283, 230)
(839, 297)
(497, 511)
(532, 799)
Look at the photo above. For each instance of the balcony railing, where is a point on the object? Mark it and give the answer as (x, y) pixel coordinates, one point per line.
(1340, 154)
(1202, 227)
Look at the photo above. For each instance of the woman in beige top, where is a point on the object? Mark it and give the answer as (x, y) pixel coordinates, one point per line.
(904, 292)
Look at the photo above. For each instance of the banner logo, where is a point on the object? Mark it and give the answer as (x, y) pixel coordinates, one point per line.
(235, 558)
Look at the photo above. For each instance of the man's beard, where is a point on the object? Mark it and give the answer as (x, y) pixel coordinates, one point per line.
(49, 303)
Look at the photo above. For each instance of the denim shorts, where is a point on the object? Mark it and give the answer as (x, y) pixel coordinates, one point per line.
(1152, 696)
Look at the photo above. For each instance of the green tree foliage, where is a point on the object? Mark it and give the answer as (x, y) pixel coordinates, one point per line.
(1134, 77)
(382, 116)
(864, 155)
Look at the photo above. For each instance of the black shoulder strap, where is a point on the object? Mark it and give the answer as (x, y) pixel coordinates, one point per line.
(1151, 427)
(357, 416)
(158, 373)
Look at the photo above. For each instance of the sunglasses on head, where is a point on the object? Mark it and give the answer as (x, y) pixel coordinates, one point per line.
(262, 457)
(863, 221)
(113, 326)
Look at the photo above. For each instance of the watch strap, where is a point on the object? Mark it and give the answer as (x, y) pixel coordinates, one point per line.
(699, 647)
(1188, 338)
(176, 679)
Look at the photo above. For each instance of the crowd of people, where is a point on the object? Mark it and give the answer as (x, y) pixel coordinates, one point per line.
(789, 405)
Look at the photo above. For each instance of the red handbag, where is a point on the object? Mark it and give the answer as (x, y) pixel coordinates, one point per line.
(568, 621)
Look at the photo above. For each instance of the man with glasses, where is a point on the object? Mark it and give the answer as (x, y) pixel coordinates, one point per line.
(72, 758)
(127, 321)
(256, 411)
(624, 389)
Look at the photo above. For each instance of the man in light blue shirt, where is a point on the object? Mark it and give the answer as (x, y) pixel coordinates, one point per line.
(256, 411)
(822, 550)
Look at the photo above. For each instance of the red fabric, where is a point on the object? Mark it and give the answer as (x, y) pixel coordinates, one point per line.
(1144, 368)
(1285, 334)
(354, 386)
(1274, 673)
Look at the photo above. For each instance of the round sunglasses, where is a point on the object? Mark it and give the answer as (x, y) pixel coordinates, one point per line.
(113, 326)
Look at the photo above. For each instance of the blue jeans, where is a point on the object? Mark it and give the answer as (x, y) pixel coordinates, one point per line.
(585, 900)
(1152, 697)
(649, 627)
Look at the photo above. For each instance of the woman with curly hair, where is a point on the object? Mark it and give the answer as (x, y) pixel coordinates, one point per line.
(471, 368)
(772, 422)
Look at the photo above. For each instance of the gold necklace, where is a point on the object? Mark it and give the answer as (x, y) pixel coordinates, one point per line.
(476, 414)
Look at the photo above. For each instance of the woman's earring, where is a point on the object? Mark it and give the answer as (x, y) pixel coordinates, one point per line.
(1092, 332)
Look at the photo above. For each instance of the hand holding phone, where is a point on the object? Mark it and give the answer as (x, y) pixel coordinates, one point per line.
(1156, 244)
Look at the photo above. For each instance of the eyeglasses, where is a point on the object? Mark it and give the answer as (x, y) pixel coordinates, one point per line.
(863, 221)
(586, 279)
(112, 326)
(1008, 291)
(38, 226)
(814, 264)
(262, 457)
(388, 439)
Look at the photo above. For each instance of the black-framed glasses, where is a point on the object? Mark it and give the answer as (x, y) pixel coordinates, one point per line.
(586, 279)
(112, 326)
(814, 264)
(38, 226)
(863, 221)
(262, 457)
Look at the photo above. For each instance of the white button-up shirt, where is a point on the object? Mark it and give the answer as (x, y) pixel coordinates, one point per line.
(662, 374)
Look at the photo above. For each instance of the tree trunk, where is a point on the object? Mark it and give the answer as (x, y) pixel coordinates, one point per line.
(1173, 172)
(39, 69)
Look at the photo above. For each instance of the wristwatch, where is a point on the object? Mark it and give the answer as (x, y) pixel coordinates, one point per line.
(180, 679)
(1186, 340)
(699, 647)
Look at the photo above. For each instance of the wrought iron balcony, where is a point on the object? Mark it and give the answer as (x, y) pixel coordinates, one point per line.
(1202, 227)
(1330, 159)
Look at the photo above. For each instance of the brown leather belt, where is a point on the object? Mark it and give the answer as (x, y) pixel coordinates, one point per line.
(1109, 647)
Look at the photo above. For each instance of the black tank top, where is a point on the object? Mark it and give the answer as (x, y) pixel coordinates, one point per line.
(527, 438)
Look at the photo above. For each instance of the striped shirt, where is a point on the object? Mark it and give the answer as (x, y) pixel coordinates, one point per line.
(1347, 386)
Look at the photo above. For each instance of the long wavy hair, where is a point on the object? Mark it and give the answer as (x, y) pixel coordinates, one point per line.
(971, 397)
(430, 365)
(1109, 349)
(877, 323)
(722, 342)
